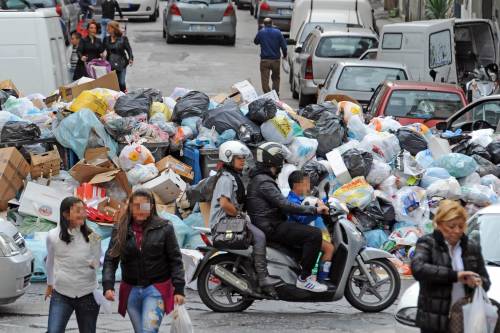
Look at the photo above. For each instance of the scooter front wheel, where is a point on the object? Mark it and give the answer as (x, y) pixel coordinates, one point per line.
(365, 297)
(215, 294)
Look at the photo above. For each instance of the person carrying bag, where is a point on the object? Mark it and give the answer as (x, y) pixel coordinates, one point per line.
(119, 52)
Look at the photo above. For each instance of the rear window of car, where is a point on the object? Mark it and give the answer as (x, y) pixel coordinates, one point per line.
(423, 104)
(312, 25)
(364, 78)
(344, 47)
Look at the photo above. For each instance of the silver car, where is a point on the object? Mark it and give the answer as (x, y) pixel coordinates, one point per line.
(16, 263)
(210, 18)
(280, 11)
(68, 10)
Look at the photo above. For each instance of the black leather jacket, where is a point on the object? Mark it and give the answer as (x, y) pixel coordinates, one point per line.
(431, 267)
(159, 260)
(266, 205)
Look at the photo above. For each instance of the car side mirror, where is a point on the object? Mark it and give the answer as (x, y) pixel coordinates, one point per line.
(433, 74)
(442, 126)
(298, 49)
(290, 41)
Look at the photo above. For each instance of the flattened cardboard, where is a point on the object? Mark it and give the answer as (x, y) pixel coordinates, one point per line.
(177, 166)
(84, 172)
(118, 176)
(303, 122)
(92, 154)
(71, 91)
(13, 170)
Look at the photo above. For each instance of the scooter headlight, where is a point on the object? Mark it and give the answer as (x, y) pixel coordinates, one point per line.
(8, 246)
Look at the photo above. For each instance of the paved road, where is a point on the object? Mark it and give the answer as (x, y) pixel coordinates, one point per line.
(212, 68)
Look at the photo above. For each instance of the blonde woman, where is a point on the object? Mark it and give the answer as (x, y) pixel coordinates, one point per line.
(448, 265)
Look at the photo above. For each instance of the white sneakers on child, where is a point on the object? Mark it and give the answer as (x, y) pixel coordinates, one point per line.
(310, 284)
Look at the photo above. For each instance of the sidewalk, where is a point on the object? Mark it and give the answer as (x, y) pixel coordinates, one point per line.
(381, 15)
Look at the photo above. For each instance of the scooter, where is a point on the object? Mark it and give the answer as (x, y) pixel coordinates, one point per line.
(227, 281)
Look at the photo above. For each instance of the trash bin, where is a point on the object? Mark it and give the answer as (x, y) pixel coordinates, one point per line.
(201, 160)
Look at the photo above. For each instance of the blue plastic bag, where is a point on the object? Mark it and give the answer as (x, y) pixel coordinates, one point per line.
(38, 248)
(187, 237)
(74, 132)
(424, 158)
(375, 238)
(433, 174)
(458, 165)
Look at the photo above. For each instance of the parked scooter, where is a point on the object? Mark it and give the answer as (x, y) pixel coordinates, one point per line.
(227, 281)
(484, 83)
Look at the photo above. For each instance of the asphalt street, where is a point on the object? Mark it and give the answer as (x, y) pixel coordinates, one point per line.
(211, 67)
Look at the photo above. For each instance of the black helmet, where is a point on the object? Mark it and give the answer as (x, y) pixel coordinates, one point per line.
(271, 154)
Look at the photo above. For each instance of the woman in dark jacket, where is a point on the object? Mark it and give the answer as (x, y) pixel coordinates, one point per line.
(90, 48)
(151, 263)
(448, 265)
(119, 52)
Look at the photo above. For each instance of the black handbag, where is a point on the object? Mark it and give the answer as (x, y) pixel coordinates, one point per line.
(117, 62)
(231, 233)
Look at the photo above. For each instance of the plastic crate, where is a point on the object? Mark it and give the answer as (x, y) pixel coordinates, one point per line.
(201, 160)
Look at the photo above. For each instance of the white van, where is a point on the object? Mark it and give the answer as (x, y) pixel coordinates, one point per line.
(349, 12)
(33, 53)
(440, 50)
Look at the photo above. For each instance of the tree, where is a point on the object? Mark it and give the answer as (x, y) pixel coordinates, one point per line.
(437, 9)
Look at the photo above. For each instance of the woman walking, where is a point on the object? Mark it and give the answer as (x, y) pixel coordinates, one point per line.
(73, 254)
(448, 265)
(89, 48)
(152, 271)
(119, 52)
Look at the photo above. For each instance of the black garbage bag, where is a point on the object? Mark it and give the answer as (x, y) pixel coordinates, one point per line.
(379, 214)
(261, 110)
(411, 140)
(316, 171)
(155, 94)
(494, 150)
(133, 104)
(15, 131)
(314, 111)
(330, 131)
(121, 127)
(485, 167)
(193, 104)
(228, 116)
(359, 163)
(469, 149)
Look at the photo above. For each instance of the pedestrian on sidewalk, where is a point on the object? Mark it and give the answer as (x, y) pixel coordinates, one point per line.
(73, 258)
(448, 265)
(109, 8)
(118, 52)
(270, 40)
(146, 248)
(89, 48)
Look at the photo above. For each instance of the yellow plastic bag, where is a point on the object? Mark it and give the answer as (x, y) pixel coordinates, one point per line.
(357, 193)
(90, 100)
(350, 109)
(158, 107)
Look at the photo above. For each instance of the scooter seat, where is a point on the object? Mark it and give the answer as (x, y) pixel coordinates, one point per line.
(295, 253)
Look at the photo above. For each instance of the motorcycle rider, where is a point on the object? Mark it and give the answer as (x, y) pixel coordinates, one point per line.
(267, 208)
(229, 198)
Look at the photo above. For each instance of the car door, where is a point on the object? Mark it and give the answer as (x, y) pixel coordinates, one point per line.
(483, 111)
(202, 11)
(296, 59)
(440, 55)
(329, 85)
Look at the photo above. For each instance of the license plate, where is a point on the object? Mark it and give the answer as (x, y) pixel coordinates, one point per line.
(284, 11)
(201, 28)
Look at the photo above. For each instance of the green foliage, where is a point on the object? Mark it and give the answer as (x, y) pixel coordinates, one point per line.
(438, 9)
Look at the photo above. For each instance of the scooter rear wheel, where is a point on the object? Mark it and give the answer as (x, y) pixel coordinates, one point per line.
(384, 273)
(212, 292)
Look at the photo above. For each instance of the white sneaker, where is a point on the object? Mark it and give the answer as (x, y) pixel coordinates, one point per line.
(311, 285)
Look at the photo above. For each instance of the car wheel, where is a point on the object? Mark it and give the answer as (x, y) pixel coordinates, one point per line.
(295, 94)
(164, 33)
(230, 40)
(305, 100)
(170, 39)
(154, 16)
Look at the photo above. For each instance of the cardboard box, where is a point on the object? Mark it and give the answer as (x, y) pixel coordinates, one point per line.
(118, 176)
(41, 201)
(338, 166)
(96, 161)
(182, 169)
(170, 208)
(88, 192)
(205, 212)
(13, 170)
(72, 90)
(113, 208)
(8, 84)
(168, 186)
(46, 164)
(92, 154)
(303, 122)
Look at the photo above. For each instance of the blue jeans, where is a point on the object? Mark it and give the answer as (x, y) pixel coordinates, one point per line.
(104, 26)
(121, 78)
(62, 307)
(145, 308)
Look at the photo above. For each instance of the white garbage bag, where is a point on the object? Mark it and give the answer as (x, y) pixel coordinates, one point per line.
(181, 322)
(480, 316)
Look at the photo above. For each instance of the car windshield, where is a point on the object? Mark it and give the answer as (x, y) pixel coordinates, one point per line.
(212, 2)
(485, 230)
(344, 47)
(42, 3)
(488, 111)
(364, 78)
(312, 25)
(423, 104)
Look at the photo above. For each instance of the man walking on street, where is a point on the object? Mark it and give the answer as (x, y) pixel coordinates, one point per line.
(109, 8)
(270, 40)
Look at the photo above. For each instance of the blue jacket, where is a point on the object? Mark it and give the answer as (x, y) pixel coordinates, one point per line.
(302, 219)
(270, 41)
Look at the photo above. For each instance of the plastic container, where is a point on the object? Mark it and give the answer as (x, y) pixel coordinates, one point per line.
(201, 160)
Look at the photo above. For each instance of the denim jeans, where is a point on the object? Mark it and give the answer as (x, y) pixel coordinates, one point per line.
(62, 307)
(146, 309)
(104, 26)
(121, 78)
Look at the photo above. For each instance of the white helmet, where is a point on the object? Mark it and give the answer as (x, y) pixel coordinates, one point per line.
(229, 149)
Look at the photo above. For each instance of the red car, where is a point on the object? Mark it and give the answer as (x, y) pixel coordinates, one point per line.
(416, 102)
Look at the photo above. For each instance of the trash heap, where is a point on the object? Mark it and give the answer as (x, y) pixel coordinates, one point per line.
(94, 142)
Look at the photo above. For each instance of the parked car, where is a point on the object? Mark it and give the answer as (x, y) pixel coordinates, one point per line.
(410, 102)
(140, 8)
(483, 113)
(37, 35)
(16, 263)
(320, 51)
(280, 11)
(359, 79)
(482, 227)
(370, 54)
(210, 18)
